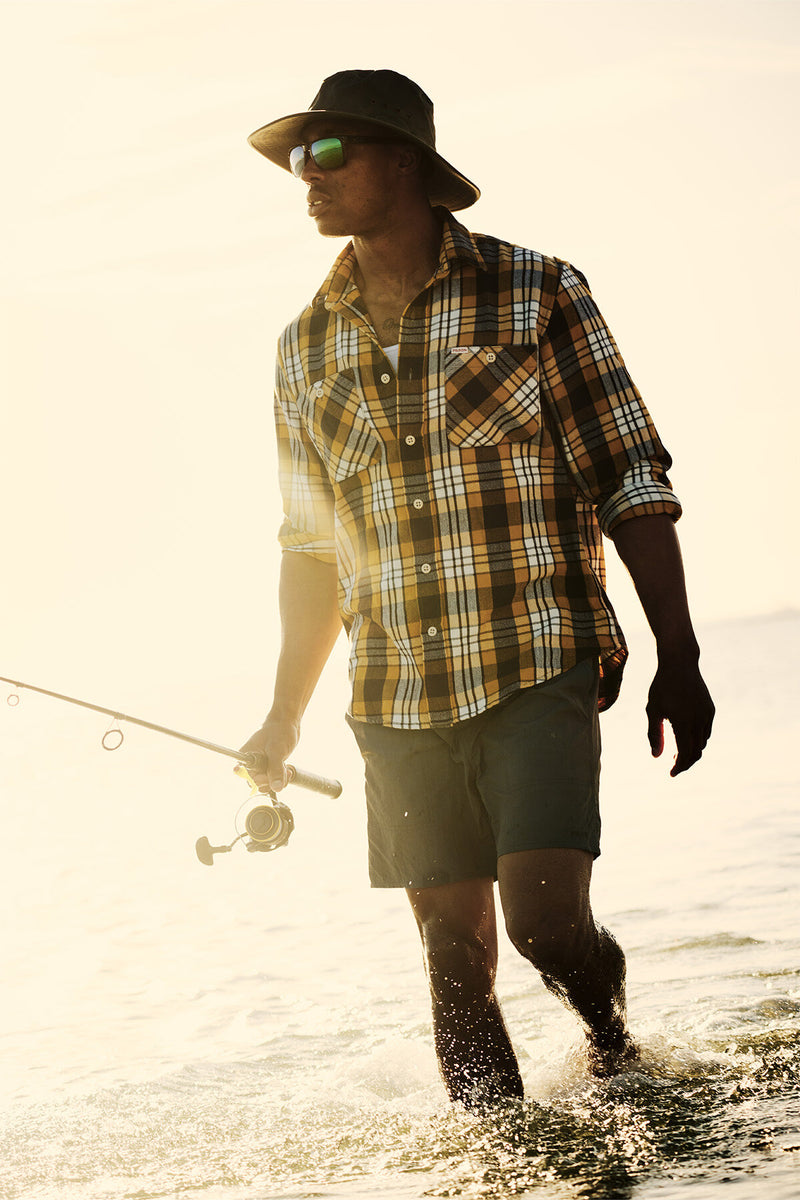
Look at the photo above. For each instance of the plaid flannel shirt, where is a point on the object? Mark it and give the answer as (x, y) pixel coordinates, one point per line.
(462, 497)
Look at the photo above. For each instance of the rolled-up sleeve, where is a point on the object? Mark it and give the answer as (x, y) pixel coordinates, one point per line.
(308, 504)
(608, 440)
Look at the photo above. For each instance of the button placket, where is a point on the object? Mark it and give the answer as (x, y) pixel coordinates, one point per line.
(413, 454)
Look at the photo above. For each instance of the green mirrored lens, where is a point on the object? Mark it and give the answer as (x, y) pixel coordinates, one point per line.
(328, 153)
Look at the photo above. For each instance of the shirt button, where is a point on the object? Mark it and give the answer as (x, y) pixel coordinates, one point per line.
(491, 356)
(426, 568)
(417, 504)
(410, 439)
(432, 631)
(386, 377)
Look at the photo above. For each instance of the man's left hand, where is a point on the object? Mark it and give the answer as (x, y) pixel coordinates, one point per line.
(679, 695)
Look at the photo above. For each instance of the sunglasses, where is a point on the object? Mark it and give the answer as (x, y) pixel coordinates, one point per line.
(327, 153)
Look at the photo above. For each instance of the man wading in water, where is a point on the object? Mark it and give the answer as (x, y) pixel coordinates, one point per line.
(456, 428)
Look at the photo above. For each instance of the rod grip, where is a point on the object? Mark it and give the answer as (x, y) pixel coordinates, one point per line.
(314, 783)
(303, 779)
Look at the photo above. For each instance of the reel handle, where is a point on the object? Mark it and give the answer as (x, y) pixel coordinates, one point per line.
(303, 779)
(205, 851)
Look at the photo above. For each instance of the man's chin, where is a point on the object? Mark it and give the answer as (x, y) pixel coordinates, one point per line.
(330, 228)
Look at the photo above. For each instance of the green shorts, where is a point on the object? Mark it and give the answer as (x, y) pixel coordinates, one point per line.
(444, 804)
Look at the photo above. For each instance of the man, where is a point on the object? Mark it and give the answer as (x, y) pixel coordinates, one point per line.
(456, 428)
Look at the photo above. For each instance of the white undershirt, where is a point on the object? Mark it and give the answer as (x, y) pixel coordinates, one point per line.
(391, 353)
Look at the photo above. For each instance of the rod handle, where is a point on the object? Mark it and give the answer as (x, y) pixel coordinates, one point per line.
(303, 779)
(314, 783)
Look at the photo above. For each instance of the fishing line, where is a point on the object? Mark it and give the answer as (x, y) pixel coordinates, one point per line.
(268, 825)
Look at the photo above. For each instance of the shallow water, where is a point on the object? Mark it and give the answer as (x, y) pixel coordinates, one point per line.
(261, 1029)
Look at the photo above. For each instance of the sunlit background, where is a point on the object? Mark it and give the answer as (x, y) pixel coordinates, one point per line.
(150, 260)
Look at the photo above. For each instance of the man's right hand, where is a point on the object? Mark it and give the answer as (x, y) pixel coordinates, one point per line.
(275, 741)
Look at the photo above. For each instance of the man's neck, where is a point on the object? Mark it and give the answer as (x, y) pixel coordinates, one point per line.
(402, 258)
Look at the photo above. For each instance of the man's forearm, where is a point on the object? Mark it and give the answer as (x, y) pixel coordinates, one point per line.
(310, 624)
(650, 550)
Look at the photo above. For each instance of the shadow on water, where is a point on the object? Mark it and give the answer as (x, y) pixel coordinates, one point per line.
(246, 1132)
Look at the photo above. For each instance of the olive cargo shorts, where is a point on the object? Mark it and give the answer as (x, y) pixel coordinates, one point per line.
(444, 804)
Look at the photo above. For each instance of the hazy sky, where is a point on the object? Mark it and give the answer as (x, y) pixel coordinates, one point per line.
(151, 258)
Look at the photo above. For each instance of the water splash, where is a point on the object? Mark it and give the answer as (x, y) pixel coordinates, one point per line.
(378, 1127)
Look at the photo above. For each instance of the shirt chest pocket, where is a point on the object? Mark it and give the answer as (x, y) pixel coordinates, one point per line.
(338, 421)
(492, 395)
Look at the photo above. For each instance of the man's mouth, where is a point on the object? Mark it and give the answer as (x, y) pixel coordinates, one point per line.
(315, 202)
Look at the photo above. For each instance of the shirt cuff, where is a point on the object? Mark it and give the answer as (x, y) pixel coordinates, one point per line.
(318, 546)
(641, 495)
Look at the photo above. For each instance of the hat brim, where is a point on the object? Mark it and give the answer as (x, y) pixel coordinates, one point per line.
(446, 185)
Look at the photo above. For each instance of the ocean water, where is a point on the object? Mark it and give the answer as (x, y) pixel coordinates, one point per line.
(261, 1028)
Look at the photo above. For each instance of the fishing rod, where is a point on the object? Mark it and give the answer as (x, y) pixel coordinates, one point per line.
(267, 825)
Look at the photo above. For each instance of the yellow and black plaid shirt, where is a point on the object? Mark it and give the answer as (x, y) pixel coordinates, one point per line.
(463, 496)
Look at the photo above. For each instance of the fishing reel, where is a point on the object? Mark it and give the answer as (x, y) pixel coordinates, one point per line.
(268, 825)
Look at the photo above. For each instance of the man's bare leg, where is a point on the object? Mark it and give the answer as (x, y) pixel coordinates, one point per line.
(459, 936)
(545, 898)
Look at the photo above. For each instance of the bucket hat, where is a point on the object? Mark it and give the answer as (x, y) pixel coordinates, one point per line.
(387, 100)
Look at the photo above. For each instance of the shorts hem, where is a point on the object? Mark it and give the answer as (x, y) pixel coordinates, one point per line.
(490, 873)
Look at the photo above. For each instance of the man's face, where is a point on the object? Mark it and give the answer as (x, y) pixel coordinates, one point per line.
(357, 199)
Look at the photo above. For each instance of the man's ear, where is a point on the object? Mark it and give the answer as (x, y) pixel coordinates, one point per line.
(409, 159)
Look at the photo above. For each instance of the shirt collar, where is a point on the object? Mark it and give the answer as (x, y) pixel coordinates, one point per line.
(458, 245)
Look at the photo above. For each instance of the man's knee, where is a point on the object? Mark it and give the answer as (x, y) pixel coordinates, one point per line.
(546, 905)
(459, 937)
(460, 965)
(556, 943)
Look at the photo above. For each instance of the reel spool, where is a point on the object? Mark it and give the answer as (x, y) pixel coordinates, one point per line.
(269, 825)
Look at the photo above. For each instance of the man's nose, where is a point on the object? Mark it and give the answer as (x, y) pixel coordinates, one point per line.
(310, 170)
